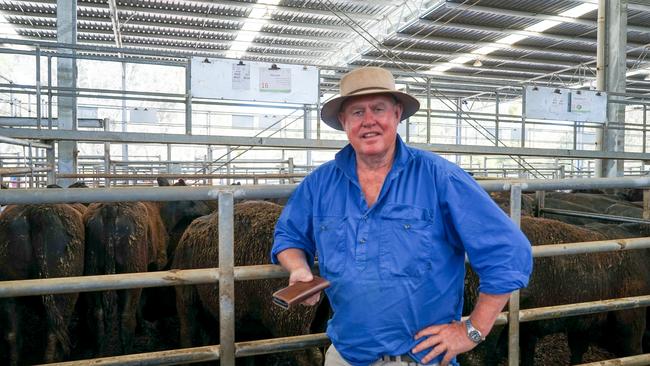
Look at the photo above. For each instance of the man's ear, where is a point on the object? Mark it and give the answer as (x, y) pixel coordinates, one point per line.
(340, 117)
(399, 110)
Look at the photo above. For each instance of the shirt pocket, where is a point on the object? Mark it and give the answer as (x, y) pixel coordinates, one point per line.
(406, 241)
(330, 240)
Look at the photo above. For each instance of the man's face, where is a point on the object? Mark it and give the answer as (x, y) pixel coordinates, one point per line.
(371, 123)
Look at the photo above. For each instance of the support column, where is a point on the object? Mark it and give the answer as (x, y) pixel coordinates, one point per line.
(459, 129)
(611, 67)
(66, 26)
(125, 147)
(307, 130)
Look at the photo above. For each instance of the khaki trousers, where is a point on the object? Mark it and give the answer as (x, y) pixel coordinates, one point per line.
(334, 358)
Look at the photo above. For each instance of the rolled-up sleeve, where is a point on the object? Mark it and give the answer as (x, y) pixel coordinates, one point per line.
(498, 251)
(294, 227)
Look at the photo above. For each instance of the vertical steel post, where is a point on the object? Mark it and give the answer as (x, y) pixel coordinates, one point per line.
(226, 279)
(540, 197)
(496, 119)
(51, 164)
(169, 158)
(523, 117)
(31, 166)
(49, 93)
(125, 147)
(107, 155)
(66, 63)
(188, 95)
(291, 169)
(38, 87)
(428, 110)
(408, 121)
(318, 109)
(228, 163)
(459, 110)
(645, 123)
(513, 305)
(646, 204)
(307, 130)
(575, 135)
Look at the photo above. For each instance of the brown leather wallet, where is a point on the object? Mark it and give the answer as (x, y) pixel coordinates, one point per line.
(299, 292)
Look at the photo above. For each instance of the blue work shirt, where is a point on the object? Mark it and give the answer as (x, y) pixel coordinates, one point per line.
(398, 266)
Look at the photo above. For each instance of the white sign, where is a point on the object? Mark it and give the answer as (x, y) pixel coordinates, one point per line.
(241, 76)
(215, 78)
(275, 80)
(565, 104)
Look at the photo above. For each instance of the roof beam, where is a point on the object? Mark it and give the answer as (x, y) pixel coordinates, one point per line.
(185, 51)
(404, 55)
(504, 31)
(374, 34)
(631, 5)
(128, 11)
(537, 16)
(280, 8)
(168, 27)
(405, 37)
(115, 20)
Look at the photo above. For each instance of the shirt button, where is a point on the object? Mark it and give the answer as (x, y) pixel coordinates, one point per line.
(365, 217)
(362, 241)
(407, 226)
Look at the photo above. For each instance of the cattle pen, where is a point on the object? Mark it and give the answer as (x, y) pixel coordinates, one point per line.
(226, 274)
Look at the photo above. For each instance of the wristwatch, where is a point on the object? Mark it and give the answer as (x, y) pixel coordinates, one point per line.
(473, 333)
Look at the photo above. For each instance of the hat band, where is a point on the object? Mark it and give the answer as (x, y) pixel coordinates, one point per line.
(368, 88)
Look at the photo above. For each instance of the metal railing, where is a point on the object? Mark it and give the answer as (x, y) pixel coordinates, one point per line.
(227, 274)
(31, 168)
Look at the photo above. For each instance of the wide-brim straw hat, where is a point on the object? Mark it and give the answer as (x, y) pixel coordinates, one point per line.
(364, 81)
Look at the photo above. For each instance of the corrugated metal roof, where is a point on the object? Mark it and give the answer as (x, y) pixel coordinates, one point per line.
(317, 32)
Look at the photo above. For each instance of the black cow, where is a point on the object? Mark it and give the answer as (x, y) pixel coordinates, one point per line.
(255, 317)
(128, 237)
(38, 241)
(572, 279)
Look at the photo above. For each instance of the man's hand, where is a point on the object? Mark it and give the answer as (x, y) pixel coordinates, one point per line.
(450, 339)
(303, 274)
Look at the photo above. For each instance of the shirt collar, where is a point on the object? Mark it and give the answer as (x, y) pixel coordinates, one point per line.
(346, 160)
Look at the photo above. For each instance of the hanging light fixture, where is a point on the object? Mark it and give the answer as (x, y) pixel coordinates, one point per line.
(477, 63)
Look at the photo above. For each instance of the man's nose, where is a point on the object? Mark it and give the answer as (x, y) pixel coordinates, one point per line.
(368, 118)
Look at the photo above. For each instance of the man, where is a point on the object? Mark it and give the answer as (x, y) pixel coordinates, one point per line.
(391, 226)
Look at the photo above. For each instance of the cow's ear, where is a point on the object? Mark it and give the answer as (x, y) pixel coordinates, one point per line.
(162, 182)
(180, 182)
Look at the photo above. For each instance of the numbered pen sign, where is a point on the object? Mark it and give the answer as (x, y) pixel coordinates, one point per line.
(563, 104)
(253, 81)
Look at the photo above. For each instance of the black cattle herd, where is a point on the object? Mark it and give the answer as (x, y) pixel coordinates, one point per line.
(69, 240)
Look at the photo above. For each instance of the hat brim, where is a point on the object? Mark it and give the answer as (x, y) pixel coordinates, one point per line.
(330, 111)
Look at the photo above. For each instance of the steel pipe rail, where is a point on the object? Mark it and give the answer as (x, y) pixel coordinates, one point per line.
(14, 141)
(639, 360)
(242, 349)
(124, 281)
(583, 308)
(21, 171)
(245, 273)
(184, 176)
(90, 195)
(276, 191)
(295, 143)
(207, 353)
(592, 215)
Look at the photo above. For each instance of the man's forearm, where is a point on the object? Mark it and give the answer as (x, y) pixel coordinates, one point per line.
(292, 259)
(486, 311)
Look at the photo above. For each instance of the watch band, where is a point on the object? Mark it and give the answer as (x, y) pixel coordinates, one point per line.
(473, 334)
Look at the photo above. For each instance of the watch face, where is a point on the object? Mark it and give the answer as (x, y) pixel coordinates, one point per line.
(475, 336)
